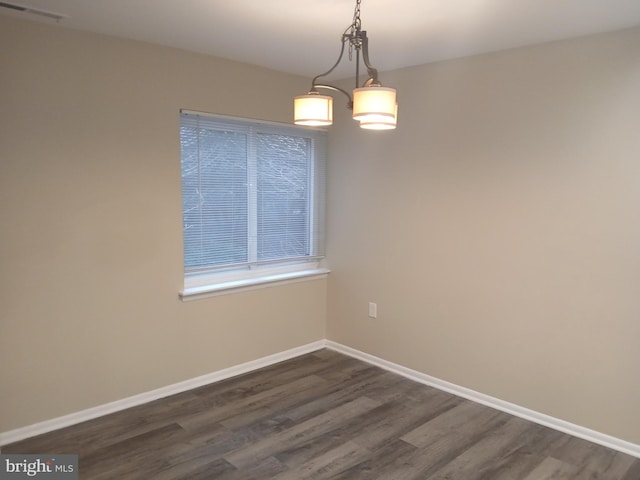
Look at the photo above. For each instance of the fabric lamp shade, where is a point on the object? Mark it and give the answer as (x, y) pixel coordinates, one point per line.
(374, 121)
(313, 109)
(378, 122)
(375, 107)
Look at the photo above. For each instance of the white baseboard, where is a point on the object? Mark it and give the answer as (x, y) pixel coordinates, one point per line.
(531, 415)
(18, 434)
(516, 410)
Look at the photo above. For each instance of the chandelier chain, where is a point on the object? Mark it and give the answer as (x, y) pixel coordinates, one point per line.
(356, 15)
(356, 24)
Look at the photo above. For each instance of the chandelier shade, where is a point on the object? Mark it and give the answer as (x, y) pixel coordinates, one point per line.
(374, 101)
(378, 122)
(313, 110)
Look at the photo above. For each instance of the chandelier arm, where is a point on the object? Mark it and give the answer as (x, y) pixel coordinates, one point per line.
(344, 40)
(373, 72)
(337, 89)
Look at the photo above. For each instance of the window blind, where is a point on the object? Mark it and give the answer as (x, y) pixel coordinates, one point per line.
(253, 193)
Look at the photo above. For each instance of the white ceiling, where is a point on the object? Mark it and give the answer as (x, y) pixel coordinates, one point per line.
(303, 36)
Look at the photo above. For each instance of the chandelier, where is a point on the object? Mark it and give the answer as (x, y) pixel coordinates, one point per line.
(373, 105)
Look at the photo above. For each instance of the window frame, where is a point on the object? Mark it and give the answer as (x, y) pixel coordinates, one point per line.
(206, 282)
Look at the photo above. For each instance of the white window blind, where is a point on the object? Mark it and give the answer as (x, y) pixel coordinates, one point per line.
(253, 194)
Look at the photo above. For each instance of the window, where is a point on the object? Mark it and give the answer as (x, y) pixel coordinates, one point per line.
(253, 202)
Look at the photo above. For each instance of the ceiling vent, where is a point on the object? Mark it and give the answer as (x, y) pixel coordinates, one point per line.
(33, 11)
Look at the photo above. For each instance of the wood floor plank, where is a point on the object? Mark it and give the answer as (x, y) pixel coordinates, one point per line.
(552, 469)
(342, 391)
(588, 457)
(141, 450)
(633, 473)
(400, 417)
(479, 458)
(384, 463)
(305, 431)
(538, 444)
(325, 416)
(327, 464)
(461, 421)
(244, 410)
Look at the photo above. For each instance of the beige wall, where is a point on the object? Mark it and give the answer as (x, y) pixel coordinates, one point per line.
(91, 242)
(498, 229)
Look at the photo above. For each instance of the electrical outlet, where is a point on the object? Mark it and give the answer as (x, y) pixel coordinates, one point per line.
(373, 310)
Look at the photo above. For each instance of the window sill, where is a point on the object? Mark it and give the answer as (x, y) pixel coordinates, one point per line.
(235, 286)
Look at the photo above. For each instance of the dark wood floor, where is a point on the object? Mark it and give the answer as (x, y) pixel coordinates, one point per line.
(325, 416)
